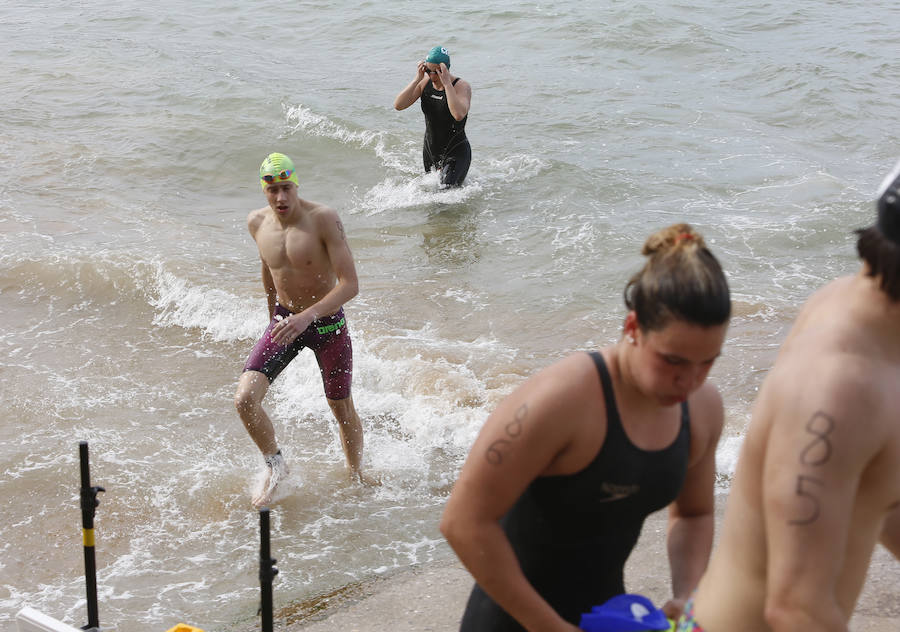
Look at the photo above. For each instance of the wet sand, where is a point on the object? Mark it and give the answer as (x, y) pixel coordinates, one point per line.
(431, 598)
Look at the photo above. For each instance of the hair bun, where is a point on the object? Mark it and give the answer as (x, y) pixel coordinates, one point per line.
(672, 238)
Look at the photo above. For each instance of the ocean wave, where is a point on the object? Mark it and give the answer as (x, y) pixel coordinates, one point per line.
(94, 280)
(395, 153)
(72, 278)
(300, 117)
(219, 314)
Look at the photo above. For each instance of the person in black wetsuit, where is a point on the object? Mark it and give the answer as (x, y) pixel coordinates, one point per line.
(445, 102)
(553, 495)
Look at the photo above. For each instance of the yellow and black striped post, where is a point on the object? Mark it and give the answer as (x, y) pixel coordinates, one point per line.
(89, 503)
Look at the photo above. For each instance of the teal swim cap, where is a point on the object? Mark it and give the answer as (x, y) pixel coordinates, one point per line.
(277, 168)
(438, 55)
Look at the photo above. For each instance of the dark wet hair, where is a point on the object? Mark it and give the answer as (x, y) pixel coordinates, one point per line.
(879, 245)
(681, 280)
(882, 254)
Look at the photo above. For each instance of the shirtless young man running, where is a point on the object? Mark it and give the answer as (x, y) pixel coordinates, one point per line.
(817, 485)
(308, 274)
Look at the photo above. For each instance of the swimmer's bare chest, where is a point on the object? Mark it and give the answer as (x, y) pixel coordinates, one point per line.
(299, 264)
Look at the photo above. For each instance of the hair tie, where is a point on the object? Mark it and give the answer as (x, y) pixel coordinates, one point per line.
(684, 236)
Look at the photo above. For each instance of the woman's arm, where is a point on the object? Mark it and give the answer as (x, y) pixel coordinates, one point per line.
(411, 93)
(459, 96)
(524, 436)
(689, 535)
(890, 533)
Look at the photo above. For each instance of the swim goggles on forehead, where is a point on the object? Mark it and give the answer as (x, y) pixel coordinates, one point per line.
(269, 178)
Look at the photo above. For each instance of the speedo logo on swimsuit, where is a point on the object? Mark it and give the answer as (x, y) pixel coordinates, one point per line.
(327, 329)
(617, 492)
(439, 97)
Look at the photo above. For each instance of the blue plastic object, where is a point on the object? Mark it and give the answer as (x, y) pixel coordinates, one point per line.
(625, 613)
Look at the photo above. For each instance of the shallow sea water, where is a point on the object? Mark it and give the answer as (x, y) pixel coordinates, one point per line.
(130, 292)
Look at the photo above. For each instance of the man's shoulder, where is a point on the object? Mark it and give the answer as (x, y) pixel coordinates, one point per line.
(318, 209)
(844, 384)
(256, 217)
(323, 218)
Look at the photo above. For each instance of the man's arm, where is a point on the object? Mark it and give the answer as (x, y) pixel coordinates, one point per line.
(692, 515)
(269, 285)
(341, 259)
(817, 448)
(254, 220)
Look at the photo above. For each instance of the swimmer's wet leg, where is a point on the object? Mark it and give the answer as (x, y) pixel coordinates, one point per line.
(252, 388)
(455, 165)
(351, 430)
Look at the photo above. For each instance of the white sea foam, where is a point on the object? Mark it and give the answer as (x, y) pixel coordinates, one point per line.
(404, 192)
(218, 313)
(416, 189)
(727, 454)
(302, 118)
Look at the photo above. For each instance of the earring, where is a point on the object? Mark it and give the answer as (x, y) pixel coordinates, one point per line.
(630, 339)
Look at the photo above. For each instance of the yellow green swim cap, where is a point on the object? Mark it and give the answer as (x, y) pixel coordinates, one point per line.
(277, 168)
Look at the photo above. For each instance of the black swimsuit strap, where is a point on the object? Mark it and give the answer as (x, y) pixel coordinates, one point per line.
(613, 420)
(609, 397)
(433, 89)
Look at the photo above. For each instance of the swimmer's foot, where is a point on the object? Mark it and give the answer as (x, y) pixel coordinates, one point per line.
(356, 476)
(276, 471)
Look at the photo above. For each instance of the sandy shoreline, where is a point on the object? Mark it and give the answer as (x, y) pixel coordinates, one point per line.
(432, 597)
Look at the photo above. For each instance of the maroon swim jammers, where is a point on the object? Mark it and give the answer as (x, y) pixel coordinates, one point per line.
(327, 337)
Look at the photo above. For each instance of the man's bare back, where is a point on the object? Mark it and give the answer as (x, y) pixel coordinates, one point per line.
(818, 480)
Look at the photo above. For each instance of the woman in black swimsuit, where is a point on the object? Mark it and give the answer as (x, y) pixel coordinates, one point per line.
(445, 102)
(552, 497)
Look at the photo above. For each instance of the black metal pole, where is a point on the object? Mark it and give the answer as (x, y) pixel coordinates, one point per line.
(89, 503)
(267, 571)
